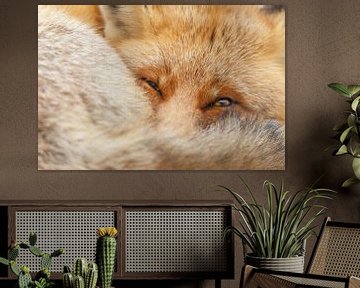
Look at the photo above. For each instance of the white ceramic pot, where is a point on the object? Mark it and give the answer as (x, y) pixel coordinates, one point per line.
(291, 264)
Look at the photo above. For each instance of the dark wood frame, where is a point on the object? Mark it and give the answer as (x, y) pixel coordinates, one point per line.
(4, 240)
(119, 208)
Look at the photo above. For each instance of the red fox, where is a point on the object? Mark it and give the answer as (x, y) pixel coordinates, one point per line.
(201, 63)
(214, 109)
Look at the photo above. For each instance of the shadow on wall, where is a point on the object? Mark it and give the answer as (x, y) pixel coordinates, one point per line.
(333, 170)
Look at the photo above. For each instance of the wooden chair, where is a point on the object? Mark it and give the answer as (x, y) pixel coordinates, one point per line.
(334, 263)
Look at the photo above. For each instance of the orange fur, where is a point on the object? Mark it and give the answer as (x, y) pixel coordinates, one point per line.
(198, 54)
(89, 14)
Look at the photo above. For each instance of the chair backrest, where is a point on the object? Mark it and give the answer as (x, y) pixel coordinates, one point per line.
(337, 251)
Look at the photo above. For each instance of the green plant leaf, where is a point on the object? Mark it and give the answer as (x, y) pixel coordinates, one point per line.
(14, 268)
(349, 182)
(342, 150)
(340, 127)
(248, 190)
(351, 120)
(340, 88)
(353, 89)
(345, 134)
(356, 167)
(279, 228)
(355, 129)
(4, 261)
(354, 145)
(355, 103)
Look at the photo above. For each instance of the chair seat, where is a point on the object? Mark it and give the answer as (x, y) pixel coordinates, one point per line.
(315, 282)
(263, 278)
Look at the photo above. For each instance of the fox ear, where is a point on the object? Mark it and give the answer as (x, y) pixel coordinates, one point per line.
(273, 8)
(276, 13)
(123, 21)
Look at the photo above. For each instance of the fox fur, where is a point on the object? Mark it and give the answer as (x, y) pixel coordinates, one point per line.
(88, 14)
(94, 114)
(197, 56)
(83, 89)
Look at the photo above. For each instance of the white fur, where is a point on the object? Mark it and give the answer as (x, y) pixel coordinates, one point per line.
(83, 89)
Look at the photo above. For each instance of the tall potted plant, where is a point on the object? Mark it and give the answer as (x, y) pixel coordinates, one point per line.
(348, 132)
(275, 234)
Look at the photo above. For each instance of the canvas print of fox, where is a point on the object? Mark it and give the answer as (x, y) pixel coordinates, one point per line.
(161, 87)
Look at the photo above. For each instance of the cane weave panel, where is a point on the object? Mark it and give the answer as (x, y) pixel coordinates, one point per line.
(175, 241)
(303, 282)
(338, 253)
(75, 231)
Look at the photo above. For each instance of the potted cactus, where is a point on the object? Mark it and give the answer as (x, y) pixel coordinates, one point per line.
(42, 278)
(84, 275)
(106, 254)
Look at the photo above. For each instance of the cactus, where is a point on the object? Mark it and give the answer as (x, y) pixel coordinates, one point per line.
(24, 245)
(14, 268)
(68, 280)
(90, 272)
(45, 261)
(24, 280)
(32, 238)
(57, 252)
(80, 267)
(79, 282)
(25, 269)
(91, 276)
(13, 253)
(67, 269)
(42, 278)
(36, 251)
(106, 254)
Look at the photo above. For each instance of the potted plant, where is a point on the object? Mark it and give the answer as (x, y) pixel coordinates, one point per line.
(84, 274)
(106, 254)
(87, 274)
(349, 132)
(276, 233)
(42, 278)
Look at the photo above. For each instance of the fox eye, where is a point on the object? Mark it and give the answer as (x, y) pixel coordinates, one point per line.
(153, 85)
(223, 102)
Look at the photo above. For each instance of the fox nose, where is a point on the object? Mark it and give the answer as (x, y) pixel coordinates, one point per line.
(179, 114)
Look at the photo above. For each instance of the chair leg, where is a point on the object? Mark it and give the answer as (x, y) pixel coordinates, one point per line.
(217, 283)
(250, 278)
(246, 276)
(354, 282)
